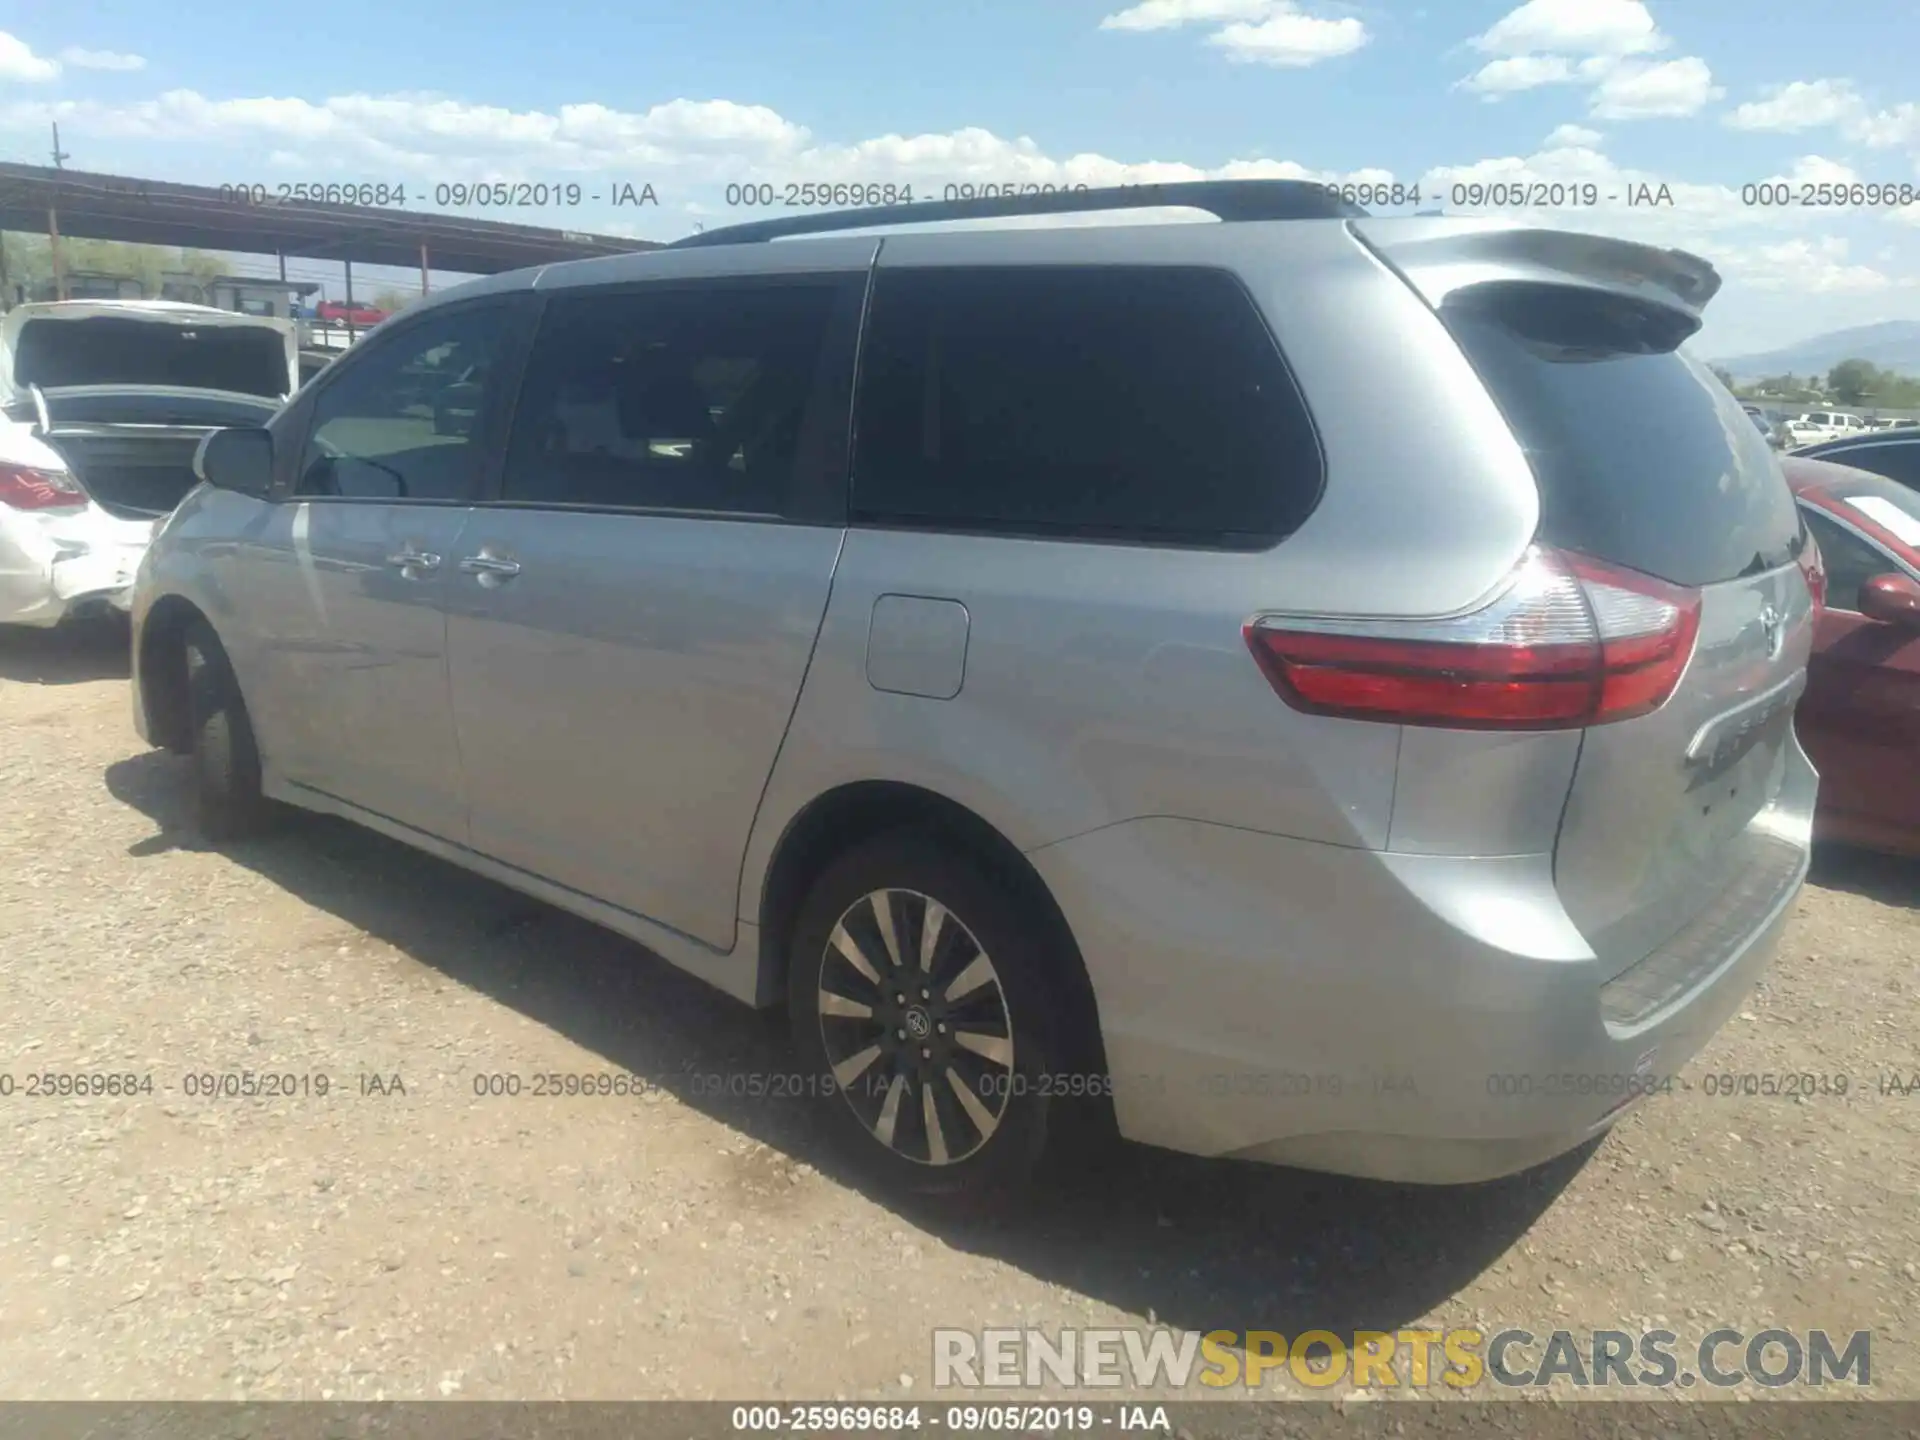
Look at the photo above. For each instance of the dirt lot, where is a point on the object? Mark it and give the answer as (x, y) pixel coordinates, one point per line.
(378, 1244)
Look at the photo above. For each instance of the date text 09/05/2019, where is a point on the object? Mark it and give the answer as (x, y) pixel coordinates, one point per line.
(803, 194)
(567, 194)
(1012, 1418)
(454, 194)
(198, 1084)
(1501, 194)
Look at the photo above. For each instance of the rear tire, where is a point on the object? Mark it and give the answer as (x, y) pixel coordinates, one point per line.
(226, 759)
(935, 1055)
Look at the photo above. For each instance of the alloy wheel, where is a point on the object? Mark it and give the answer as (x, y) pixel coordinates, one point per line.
(916, 1026)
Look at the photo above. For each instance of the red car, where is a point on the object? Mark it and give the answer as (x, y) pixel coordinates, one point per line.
(338, 313)
(1860, 717)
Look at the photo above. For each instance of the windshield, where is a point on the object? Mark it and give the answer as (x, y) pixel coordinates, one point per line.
(110, 350)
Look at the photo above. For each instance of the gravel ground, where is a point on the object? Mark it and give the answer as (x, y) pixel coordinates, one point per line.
(402, 1238)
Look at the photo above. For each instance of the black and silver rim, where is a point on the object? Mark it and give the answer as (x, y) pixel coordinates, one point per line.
(916, 1027)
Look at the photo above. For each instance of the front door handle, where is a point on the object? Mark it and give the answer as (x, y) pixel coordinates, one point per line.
(490, 570)
(410, 560)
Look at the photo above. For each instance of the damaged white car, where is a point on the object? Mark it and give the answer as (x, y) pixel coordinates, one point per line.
(102, 406)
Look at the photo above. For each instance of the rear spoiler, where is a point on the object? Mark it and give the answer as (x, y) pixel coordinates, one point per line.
(1441, 256)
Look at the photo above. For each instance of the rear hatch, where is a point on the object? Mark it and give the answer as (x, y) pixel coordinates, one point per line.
(1643, 461)
(125, 391)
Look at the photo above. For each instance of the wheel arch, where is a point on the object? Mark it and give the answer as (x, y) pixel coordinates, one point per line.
(850, 814)
(163, 671)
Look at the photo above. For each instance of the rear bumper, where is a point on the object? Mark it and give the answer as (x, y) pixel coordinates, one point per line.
(1424, 1019)
(55, 567)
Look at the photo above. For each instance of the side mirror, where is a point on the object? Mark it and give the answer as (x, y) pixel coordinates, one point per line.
(237, 459)
(1892, 600)
(455, 408)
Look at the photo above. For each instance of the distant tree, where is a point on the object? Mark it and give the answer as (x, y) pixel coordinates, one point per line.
(1724, 376)
(1853, 381)
(1894, 390)
(1788, 387)
(392, 301)
(30, 262)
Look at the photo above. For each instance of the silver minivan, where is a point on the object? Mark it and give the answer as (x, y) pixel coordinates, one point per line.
(1300, 686)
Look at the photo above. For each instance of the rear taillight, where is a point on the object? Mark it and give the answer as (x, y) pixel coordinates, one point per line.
(25, 488)
(1814, 567)
(1569, 642)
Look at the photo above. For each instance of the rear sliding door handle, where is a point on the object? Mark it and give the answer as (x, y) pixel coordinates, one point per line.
(490, 569)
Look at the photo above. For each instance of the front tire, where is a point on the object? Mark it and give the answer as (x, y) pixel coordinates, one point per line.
(922, 993)
(226, 760)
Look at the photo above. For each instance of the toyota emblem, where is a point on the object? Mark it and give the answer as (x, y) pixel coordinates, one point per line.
(1775, 631)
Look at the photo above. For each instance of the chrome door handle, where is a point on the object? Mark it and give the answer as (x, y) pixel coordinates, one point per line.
(411, 559)
(490, 570)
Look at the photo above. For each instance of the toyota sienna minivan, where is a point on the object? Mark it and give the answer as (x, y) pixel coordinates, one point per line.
(1296, 685)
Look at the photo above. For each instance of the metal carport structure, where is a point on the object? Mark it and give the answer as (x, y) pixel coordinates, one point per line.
(86, 205)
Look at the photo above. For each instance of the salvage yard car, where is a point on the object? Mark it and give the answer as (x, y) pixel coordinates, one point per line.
(102, 405)
(1816, 426)
(1083, 710)
(1893, 453)
(1860, 720)
(1799, 433)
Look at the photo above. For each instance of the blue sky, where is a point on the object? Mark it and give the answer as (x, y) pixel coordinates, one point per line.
(1700, 95)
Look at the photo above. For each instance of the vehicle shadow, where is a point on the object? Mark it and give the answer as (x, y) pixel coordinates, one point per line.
(66, 655)
(1198, 1244)
(1889, 879)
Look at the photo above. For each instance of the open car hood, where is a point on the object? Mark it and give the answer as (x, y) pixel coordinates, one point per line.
(62, 360)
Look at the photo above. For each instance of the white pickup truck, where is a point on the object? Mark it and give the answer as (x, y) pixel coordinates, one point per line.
(1818, 425)
(102, 406)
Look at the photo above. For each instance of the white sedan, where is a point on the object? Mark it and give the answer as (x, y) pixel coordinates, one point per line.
(102, 405)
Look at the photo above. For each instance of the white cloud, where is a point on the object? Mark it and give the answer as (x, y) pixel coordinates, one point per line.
(1265, 32)
(1813, 104)
(1576, 27)
(1638, 91)
(1291, 39)
(1572, 137)
(1803, 105)
(102, 59)
(1818, 170)
(1898, 126)
(1519, 72)
(426, 134)
(681, 143)
(18, 62)
(1906, 215)
(1560, 42)
(1171, 14)
(1818, 266)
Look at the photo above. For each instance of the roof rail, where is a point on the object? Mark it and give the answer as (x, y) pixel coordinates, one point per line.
(1225, 199)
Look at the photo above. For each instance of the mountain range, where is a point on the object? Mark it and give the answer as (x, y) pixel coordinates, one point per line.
(1890, 344)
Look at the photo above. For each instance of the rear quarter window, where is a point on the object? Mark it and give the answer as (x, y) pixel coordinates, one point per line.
(1642, 457)
(1148, 404)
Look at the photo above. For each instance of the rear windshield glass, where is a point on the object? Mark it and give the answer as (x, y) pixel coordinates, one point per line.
(107, 350)
(1643, 458)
